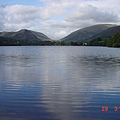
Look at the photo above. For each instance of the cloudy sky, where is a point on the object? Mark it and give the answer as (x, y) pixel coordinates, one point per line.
(57, 18)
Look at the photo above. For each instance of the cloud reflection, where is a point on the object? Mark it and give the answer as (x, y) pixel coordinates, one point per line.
(66, 93)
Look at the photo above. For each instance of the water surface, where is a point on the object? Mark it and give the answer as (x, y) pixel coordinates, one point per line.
(59, 83)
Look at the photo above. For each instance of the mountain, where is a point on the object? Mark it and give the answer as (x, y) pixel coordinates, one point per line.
(93, 35)
(25, 34)
(24, 37)
(106, 33)
(82, 35)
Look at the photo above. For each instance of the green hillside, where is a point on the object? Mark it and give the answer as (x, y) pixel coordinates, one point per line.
(82, 35)
(106, 33)
(25, 34)
(24, 37)
(113, 41)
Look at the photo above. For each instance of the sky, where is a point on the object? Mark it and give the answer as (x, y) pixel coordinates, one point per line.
(57, 18)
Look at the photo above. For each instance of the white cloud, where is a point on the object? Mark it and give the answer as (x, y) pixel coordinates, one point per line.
(88, 12)
(59, 18)
(20, 13)
(18, 16)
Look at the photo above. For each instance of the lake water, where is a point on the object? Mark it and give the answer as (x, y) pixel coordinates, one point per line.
(59, 83)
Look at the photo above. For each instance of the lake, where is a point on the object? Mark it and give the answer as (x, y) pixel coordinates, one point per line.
(59, 83)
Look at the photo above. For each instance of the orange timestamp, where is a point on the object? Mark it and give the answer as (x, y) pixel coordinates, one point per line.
(105, 108)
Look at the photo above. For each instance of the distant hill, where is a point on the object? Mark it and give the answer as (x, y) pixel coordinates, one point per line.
(83, 35)
(24, 37)
(25, 34)
(99, 35)
(106, 33)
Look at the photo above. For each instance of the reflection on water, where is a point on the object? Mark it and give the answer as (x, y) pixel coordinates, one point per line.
(59, 83)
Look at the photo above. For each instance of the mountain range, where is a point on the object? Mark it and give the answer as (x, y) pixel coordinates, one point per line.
(23, 37)
(84, 35)
(88, 33)
(25, 34)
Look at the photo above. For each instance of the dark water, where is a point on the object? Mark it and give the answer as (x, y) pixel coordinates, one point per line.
(59, 83)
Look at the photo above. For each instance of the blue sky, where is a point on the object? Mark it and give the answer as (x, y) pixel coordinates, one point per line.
(57, 18)
(22, 2)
